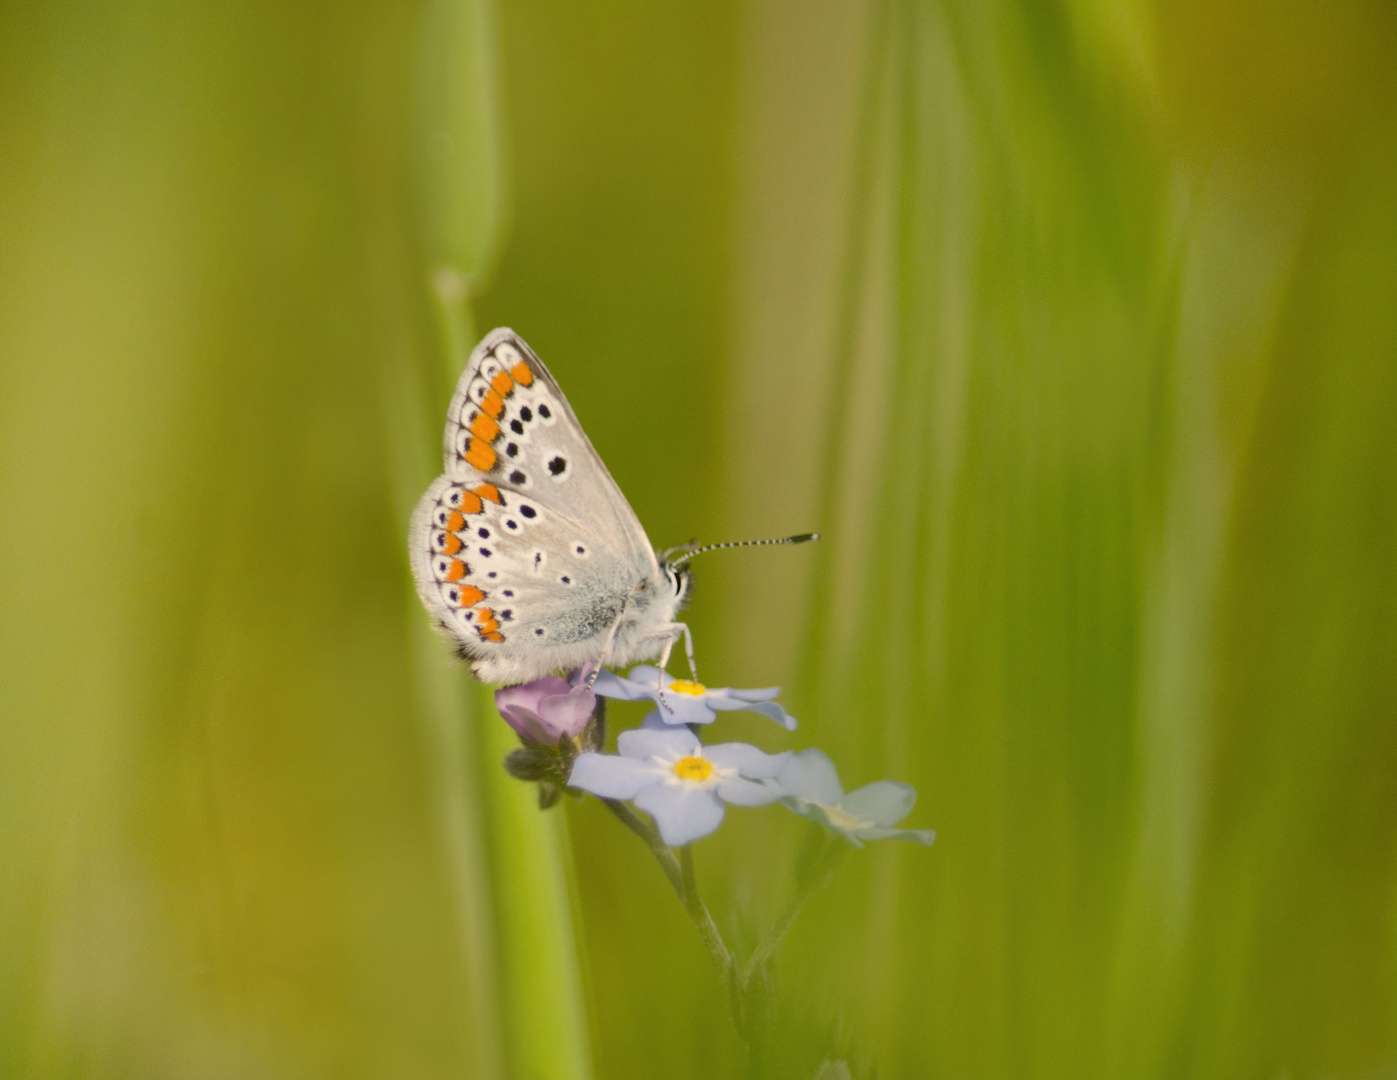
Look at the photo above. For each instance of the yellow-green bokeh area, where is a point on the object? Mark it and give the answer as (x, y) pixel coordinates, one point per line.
(1073, 327)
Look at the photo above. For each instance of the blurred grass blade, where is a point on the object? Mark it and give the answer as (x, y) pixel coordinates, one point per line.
(545, 1013)
(460, 164)
(457, 150)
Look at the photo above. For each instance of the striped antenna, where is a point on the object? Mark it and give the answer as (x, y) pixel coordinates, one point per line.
(803, 538)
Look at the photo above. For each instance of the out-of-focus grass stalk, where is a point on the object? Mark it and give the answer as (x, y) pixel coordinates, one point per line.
(544, 1012)
(536, 971)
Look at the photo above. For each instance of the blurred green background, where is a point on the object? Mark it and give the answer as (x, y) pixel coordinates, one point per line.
(1072, 325)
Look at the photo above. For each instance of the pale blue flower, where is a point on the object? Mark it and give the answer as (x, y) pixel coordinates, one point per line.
(810, 786)
(678, 782)
(687, 702)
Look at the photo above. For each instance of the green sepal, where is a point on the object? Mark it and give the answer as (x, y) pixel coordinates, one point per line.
(531, 762)
(548, 794)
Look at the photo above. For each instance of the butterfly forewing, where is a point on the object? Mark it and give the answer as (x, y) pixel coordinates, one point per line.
(525, 549)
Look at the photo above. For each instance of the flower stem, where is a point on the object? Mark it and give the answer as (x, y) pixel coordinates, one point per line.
(814, 867)
(680, 872)
(698, 912)
(773, 937)
(643, 829)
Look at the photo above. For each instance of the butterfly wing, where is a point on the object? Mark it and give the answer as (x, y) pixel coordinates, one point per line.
(525, 550)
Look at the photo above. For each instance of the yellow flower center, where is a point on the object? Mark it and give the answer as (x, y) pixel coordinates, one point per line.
(687, 686)
(693, 768)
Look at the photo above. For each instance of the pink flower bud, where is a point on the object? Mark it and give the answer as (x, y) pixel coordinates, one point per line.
(545, 710)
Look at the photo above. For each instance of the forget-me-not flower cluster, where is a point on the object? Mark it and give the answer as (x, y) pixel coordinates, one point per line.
(664, 769)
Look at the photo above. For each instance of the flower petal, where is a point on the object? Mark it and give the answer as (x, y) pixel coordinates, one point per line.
(646, 676)
(684, 708)
(820, 815)
(811, 775)
(775, 712)
(611, 685)
(527, 724)
(731, 700)
(683, 812)
(667, 743)
(765, 694)
(529, 694)
(915, 836)
(611, 777)
(752, 763)
(521, 707)
(883, 802)
(567, 713)
(740, 792)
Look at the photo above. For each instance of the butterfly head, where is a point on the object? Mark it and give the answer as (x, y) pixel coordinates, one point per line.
(677, 578)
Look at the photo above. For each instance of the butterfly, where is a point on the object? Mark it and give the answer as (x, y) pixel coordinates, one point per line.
(524, 550)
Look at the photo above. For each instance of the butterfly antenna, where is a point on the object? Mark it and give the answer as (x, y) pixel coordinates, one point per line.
(802, 538)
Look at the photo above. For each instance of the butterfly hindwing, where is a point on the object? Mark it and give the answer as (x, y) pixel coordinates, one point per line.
(525, 549)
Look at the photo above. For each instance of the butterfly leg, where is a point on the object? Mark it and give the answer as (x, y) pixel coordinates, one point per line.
(672, 632)
(688, 648)
(664, 662)
(606, 649)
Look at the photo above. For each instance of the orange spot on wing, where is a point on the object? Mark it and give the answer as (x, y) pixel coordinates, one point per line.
(489, 492)
(455, 523)
(480, 455)
(493, 635)
(456, 571)
(522, 375)
(482, 427)
(502, 384)
(452, 545)
(469, 503)
(468, 595)
(492, 404)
